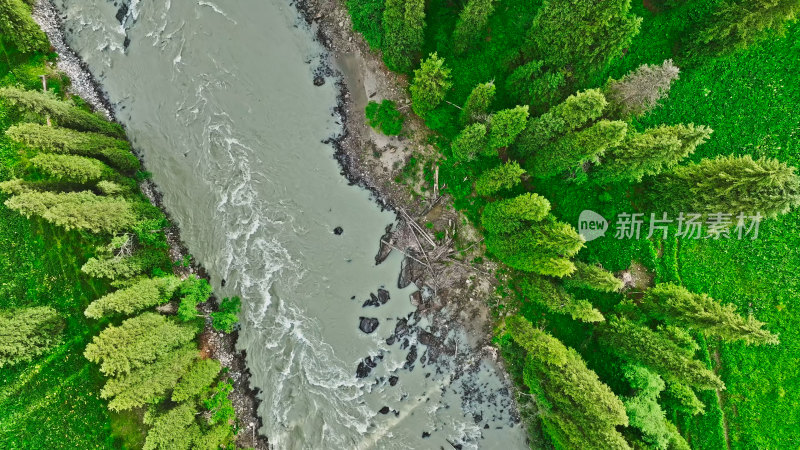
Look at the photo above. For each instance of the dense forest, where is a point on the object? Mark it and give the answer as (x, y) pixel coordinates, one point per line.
(683, 112)
(98, 334)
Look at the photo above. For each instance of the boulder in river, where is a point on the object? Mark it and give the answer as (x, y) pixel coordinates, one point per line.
(367, 324)
(384, 410)
(319, 80)
(366, 366)
(377, 300)
(338, 230)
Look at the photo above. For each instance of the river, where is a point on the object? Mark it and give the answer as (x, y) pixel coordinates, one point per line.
(219, 99)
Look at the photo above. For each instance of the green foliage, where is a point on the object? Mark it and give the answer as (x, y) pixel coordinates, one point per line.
(193, 291)
(578, 410)
(228, 315)
(684, 398)
(582, 34)
(640, 91)
(590, 276)
(197, 380)
(136, 343)
(675, 304)
(576, 149)
(403, 33)
(470, 142)
(27, 333)
(471, 24)
(367, 18)
(505, 176)
(515, 214)
(477, 105)
(143, 294)
(76, 210)
(110, 187)
(506, 125)
(385, 117)
(651, 152)
(535, 85)
(554, 298)
(17, 25)
(219, 404)
(115, 152)
(655, 351)
(70, 168)
(62, 113)
(117, 266)
(175, 429)
(729, 184)
(644, 411)
(430, 85)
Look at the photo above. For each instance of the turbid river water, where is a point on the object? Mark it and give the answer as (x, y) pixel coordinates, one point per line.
(220, 101)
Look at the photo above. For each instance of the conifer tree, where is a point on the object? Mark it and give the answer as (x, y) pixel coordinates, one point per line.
(27, 333)
(471, 24)
(76, 210)
(18, 27)
(136, 343)
(70, 168)
(638, 343)
(675, 304)
(143, 294)
(506, 125)
(651, 152)
(175, 429)
(576, 149)
(590, 276)
(683, 398)
(477, 105)
(731, 184)
(115, 152)
(115, 266)
(197, 380)
(555, 299)
(583, 35)
(639, 91)
(514, 214)
(578, 410)
(470, 142)
(535, 85)
(505, 176)
(430, 85)
(738, 24)
(62, 113)
(403, 33)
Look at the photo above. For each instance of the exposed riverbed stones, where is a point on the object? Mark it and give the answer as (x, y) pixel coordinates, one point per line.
(367, 324)
(377, 300)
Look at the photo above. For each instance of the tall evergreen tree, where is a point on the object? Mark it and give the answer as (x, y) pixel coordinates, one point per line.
(582, 35)
(675, 304)
(731, 184)
(579, 411)
(197, 380)
(115, 152)
(175, 429)
(543, 248)
(403, 33)
(477, 105)
(430, 85)
(76, 210)
(576, 149)
(655, 351)
(470, 142)
(141, 295)
(506, 125)
(739, 23)
(651, 152)
(639, 91)
(62, 113)
(554, 298)
(514, 214)
(17, 26)
(590, 276)
(505, 176)
(27, 333)
(78, 169)
(471, 24)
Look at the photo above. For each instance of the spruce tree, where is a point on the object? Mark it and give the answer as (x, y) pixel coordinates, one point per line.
(675, 304)
(543, 248)
(18, 28)
(554, 298)
(197, 380)
(514, 214)
(141, 295)
(77, 169)
(175, 429)
(430, 85)
(578, 410)
(115, 266)
(76, 210)
(738, 24)
(731, 184)
(505, 176)
(470, 142)
(62, 113)
(639, 91)
(575, 149)
(27, 333)
(506, 125)
(638, 343)
(533, 84)
(590, 276)
(136, 343)
(115, 152)
(471, 24)
(477, 105)
(650, 152)
(403, 33)
(583, 35)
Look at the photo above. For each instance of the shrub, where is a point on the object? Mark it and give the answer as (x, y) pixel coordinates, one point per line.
(385, 117)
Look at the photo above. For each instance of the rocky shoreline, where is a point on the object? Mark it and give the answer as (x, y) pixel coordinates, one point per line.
(214, 344)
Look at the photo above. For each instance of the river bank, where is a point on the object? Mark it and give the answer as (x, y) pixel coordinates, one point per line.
(213, 344)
